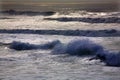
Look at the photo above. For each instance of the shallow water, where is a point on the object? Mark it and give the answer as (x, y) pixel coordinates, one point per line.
(43, 65)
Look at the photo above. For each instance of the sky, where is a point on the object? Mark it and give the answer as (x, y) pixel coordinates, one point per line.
(39, 4)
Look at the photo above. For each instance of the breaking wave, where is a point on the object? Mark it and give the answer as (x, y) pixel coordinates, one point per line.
(109, 58)
(78, 47)
(74, 48)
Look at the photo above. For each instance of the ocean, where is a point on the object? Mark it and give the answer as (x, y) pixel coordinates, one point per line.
(30, 30)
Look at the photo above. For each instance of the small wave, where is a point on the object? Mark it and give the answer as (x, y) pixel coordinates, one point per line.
(29, 13)
(110, 58)
(27, 46)
(87, 19)
(88, 33)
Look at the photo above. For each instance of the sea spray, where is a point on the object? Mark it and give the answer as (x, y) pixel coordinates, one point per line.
(83, 47)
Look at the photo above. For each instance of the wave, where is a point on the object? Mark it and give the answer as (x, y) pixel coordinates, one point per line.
(61, 13)
(110, 58)
(78, 47)
(113, 59)
(88, 33)
(87, 19)
(27, 46)
(29, 13)
(74, 48)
